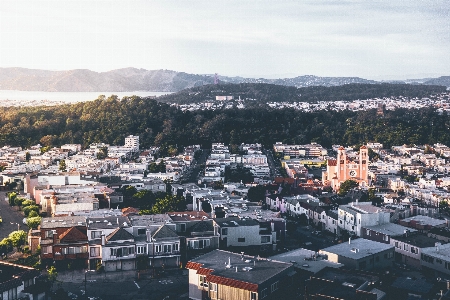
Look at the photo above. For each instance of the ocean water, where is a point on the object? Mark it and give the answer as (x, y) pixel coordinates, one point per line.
(27, 98)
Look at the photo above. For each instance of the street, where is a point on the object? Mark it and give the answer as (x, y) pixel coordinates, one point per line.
(10, 217)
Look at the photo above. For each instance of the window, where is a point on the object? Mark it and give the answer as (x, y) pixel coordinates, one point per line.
(176, 247)
(241, 240)
(253, 296)
(141, 231)
(274, 287)
(140, 250)
(213, 287)
(182, 227)
(367, 232)
(167, 248)
(95, 251)
(386, 238)
(397, 245)
(265, 239)
(157, 248)
(263, 293)
(202, 281)
(413, 250)
(71, 250)
(96, 234)
(49, 233)
(47, 249)
(112, 252)
(224, 231)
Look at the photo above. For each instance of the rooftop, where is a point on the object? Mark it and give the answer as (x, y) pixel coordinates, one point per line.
(306, 260)
(390, 229)
(242, 268)
(357, 249)
(417, 239)
(425, 220)
(66, 221)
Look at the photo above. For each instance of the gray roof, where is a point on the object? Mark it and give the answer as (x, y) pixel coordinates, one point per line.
(235, 222)
(66, 221)
(418, 239)
(146, 220)
(119, 234)
(261, 270)
(306, 260)
(107, 222)
(412, 285)
(164, 232)
(357, 248)
(390, 229)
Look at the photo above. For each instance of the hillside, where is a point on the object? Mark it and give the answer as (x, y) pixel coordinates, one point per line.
(277, 93)
(110, 120)
(122, 80)
(132, 79)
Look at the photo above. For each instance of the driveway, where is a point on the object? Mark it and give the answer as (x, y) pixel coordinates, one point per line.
(10, 217)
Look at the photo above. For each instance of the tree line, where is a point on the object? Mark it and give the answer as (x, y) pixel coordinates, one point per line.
(110, 120)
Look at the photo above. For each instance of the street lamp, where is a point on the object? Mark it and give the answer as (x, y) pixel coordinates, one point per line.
(85, 282)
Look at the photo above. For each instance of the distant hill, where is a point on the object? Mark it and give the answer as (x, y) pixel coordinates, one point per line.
(121, 80)
(264, 92)
(443, 80)
(132, 79)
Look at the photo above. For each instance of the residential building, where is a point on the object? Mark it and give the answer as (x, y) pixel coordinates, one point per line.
(356, 215)
(229, 276)
(64, 241)
(20, 282)
(242, 232)
(361, 254)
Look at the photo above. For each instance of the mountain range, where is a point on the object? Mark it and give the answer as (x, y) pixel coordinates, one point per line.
(132, 79)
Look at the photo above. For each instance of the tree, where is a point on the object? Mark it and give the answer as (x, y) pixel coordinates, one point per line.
(6, 246)
(256, 193)
(27, 202)
(102, 153)
(144, 199)
(12, 198)
(166, 204)
(62, 165)
(18, 201)
(33, 222)
(18, 238)
(30, 208)
(52, 275)
(346, 186)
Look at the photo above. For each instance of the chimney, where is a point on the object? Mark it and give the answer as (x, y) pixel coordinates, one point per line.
(117, 220)
(55, 237)
(349, 240)
(103, 239)
(236, 269)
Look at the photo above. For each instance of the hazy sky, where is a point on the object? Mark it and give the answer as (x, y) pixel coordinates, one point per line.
(271, 38)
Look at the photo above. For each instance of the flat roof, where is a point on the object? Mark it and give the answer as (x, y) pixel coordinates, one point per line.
(418, 239)
(390, 229)
(258, 270)
(357, 248)
(425, 220)
(306, 260)
(65, 221)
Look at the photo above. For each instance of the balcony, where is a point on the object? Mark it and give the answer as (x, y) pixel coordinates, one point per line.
(59, 256)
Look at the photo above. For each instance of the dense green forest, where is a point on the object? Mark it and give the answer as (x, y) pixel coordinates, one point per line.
(109, 120)
(277, 93)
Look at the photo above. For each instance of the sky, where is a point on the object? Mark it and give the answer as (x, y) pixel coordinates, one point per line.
(387, 39)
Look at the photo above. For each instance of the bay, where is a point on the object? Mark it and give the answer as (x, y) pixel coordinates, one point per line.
(32, 98)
